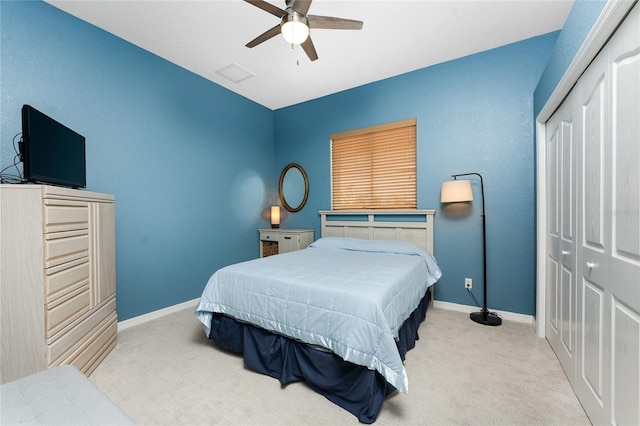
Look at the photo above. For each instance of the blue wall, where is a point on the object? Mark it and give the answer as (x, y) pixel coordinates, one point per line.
(190, 177)
(474, 114)
(584, 14)
(192, 180)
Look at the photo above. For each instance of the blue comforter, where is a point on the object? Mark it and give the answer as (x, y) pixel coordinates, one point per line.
(347, 295)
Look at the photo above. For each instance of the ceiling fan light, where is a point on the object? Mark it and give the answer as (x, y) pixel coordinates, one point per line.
(294, 28)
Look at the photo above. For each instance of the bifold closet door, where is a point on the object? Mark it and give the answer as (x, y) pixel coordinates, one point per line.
(608, 332)
(561, 131)
(624, 277)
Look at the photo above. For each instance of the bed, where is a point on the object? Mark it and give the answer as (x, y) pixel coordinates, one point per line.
(340, 314)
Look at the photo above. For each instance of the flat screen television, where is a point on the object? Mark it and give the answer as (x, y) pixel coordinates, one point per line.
(51, 152)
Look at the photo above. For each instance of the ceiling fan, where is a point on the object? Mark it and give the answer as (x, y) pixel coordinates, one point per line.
(295, 24)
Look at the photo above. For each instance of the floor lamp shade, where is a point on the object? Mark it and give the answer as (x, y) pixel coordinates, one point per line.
(456, 191)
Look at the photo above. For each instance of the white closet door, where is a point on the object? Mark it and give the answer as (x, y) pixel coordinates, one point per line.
(591, 384)
(562, 132)
(624, 259)
(608, 368)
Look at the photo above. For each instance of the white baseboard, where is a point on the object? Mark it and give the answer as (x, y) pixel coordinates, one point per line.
(509, 316)
(141, 319)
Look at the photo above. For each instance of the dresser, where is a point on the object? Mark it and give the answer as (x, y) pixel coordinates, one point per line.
(57, 280)
(282, 240)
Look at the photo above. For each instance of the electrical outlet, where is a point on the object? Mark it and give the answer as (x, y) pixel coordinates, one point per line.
(468, 283)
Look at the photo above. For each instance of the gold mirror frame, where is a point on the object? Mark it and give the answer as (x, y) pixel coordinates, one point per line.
(306, 188)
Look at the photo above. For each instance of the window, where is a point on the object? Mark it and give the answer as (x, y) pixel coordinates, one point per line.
(374, 167)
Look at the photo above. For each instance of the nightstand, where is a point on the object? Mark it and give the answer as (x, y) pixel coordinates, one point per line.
(282, 240)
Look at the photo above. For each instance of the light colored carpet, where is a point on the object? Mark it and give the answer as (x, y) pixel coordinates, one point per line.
(165, 372)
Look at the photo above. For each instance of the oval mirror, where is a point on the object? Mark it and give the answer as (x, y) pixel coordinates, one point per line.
(293, 187)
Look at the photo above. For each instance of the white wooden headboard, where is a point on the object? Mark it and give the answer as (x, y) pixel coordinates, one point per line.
(415, 226)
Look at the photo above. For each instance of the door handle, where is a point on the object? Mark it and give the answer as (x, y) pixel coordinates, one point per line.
(565, 252)
(591, 265)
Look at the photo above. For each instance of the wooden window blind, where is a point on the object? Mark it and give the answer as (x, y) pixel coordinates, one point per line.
(374, 167)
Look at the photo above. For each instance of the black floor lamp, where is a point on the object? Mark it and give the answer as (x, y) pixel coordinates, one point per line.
(455, 191)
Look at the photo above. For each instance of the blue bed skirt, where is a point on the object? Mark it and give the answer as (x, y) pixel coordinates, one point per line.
(353, 387)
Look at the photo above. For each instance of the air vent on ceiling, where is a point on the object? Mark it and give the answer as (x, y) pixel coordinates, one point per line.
(235, 73)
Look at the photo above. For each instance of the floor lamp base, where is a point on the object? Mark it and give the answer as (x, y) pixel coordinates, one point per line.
(486, 318)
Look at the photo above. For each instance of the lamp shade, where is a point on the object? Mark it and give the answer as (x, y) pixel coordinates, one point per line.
(275, 216)
(294, 28)
(455, 191)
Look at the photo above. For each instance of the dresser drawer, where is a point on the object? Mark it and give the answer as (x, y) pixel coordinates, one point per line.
(269, 248)
(61, 348)
(65, 215)
(66, 309)
(87, 356)
(63, 247)
(269, 236)
(64, 278)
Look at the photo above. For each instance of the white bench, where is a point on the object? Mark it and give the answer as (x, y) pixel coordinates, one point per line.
(58, 396)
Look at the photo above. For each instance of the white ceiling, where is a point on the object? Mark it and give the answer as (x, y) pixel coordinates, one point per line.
(397, 37)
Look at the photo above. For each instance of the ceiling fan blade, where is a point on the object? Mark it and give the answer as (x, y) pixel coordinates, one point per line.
(264, 36)
(307, 45)
(331, 23)
(301, 6)
(268, 7)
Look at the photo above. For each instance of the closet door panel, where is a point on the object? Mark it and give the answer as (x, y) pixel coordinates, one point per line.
(593, 338)
(567, 300)
(626, 134)
(611, 233)
(591, 367)
(553, 234)
(625, 210)
(552, 307)
(561, 302)
(624, 285)
(626, 368)
(567, 242)
(593, 110)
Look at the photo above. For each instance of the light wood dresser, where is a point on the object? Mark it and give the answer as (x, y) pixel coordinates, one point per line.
(57, 279)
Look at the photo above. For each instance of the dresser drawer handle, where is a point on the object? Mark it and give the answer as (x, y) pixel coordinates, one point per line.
(287, 238)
